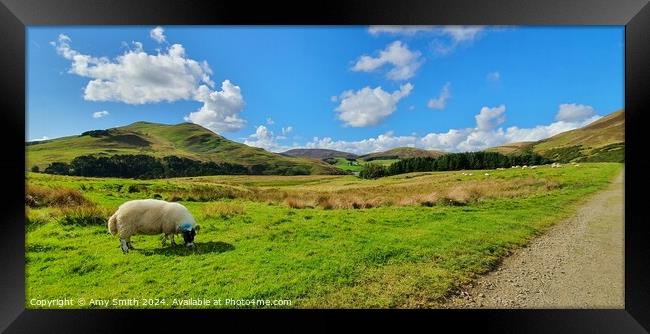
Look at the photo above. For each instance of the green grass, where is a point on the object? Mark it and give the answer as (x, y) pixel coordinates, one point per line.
(344, 164)
(388, 256)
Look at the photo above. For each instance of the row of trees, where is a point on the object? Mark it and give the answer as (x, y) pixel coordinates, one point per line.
(453, 161)
(142, 167)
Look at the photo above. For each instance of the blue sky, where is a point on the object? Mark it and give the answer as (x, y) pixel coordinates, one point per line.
(356, 88)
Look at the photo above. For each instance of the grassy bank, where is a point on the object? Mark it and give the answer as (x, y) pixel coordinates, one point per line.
(419, 236)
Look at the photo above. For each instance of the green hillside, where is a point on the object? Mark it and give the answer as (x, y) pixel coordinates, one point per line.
(183, 140)
(401, 153)
(602, 140)
(509, 148)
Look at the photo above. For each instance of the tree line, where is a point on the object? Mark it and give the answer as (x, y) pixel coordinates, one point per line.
(142, 166)
(453, 161)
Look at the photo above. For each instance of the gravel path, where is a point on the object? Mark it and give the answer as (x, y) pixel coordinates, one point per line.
(578, 263)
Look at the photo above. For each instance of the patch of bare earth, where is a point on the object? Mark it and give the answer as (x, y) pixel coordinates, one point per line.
(578, 263)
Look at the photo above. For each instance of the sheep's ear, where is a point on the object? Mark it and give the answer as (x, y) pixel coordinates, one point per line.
(197, 227)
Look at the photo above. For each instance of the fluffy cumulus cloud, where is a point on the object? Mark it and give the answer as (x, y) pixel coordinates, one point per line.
(220, 109)
(158, 34)
(486, 133)
(403, 62)
(369, 106)
(571, 112)
(100, 114)
(489, 118)
(137, 77)
(267, 139)
(440, 102)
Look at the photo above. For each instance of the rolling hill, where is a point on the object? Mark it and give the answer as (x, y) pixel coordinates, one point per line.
(509, 148)
(602, 140)
(186, 140)
(401, 153)
(318, 153)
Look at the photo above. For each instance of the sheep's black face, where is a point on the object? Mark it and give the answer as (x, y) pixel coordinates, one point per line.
(188, 237)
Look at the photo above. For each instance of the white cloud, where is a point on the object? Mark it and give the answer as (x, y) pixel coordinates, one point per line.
(399, 30)
(41, 139)
(334, 98)
(158, 34)
(266, 139)
(380, 143)
(269, 121)
(287, 130)
(456, 35)
(137, 77)
(490, 118)
(486, 133)
(220, 111)
(369, 106)
(404, 62)
(449, 37)
(493, 76)
(462, 33)
(441, 101)
(571, 112)
(100, 114)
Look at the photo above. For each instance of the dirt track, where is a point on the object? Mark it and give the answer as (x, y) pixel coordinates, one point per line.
(578, 263)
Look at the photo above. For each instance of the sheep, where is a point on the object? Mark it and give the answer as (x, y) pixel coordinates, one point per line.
(487, 174)
(533, 167)
(149, 217)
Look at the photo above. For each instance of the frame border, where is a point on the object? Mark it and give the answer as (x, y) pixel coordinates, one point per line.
(16, 15)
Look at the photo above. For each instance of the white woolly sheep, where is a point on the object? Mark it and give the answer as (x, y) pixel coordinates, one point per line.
(149, 217)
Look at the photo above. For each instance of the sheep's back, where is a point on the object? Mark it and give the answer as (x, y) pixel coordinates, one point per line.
(142, 216)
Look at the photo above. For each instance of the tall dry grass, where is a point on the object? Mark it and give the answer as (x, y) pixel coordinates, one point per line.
(39, 196)
(222, 210)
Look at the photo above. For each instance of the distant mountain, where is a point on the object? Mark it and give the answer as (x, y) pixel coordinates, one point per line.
(402, 153)
(186, 140)
(602, 140)
(318, 153)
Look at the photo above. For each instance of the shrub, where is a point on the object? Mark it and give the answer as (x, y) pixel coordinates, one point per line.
(35, 169)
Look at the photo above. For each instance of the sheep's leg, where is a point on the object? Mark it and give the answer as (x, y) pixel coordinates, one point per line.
(125, 246)
(164, 240)
(173, 243)
(128, 243)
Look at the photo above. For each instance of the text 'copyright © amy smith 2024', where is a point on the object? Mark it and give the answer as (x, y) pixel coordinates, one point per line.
(154, 302)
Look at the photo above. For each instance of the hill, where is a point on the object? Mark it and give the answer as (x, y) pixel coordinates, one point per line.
(186, 140)
(401, 153)
(602, 140)
(318, 153)
(509, 148)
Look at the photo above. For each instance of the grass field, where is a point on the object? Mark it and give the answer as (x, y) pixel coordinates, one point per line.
(405, 241)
